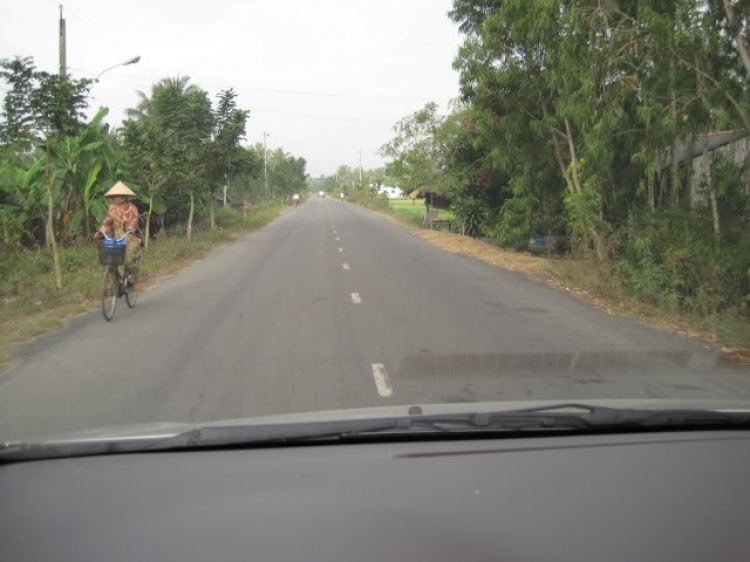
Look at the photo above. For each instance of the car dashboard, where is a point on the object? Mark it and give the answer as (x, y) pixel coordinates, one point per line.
(648, 496)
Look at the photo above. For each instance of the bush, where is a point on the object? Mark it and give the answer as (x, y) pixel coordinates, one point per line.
(669, 258)
(472, 213)
(226, 217)
(515, 225)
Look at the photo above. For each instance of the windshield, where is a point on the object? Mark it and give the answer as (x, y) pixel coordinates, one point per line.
(291, 207)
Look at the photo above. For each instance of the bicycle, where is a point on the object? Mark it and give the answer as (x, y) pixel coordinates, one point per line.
(115, 284)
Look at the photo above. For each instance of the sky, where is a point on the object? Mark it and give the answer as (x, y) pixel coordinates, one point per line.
(325, 79)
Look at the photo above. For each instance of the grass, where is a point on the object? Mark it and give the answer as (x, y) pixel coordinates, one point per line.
(409, 211)
(412, 211)
(30, 305)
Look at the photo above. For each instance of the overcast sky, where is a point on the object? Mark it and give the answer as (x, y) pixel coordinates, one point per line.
(325, 78)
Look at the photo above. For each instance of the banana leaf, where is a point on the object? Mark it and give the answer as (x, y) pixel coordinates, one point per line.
(98, 209)
(75, 222)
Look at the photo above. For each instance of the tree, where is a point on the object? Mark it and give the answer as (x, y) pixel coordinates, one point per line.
(39, 102)
(224, 152)
(415, 151)
(179, 122)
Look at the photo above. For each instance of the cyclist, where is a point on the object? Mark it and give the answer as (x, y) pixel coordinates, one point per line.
(295, 198)
(122, 220)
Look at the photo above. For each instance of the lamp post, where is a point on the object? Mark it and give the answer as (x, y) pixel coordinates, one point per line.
(134, 60)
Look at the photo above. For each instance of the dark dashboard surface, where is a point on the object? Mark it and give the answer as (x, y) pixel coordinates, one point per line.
(665, 496)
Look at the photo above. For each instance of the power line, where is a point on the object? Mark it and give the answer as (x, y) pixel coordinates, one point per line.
(281, 112)
(281, 91)
(323, 117)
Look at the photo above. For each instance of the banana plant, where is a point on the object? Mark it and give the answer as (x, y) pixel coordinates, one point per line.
(25, 188)
(81, 160)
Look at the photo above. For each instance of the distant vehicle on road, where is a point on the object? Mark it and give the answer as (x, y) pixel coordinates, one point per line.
(321, 193)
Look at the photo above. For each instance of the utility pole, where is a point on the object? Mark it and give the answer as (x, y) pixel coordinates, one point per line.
(360, 168)
(63, 66)
(265, 164)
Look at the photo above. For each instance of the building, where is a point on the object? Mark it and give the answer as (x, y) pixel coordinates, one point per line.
(391, 192)
(696, 157)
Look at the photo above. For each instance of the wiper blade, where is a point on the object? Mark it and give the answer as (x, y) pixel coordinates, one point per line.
(562, 417)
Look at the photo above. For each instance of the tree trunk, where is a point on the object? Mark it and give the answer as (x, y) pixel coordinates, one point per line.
(561, 163)
(211, 210)
(51, 225)
(573, 157)
(715, 212)
(650, 189)
(147, 235)
(739, 39)
(673, 168)
(45, 220)
(244, 206)
(225, 195)
(190, 216)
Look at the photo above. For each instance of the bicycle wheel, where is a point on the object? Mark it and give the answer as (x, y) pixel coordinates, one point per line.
(109, 293)
(131, 295)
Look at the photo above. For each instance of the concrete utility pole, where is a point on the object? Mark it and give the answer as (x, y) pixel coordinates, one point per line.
(63, 65)
(265, 163)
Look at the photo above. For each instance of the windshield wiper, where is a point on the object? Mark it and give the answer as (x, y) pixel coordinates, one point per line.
(560, 417)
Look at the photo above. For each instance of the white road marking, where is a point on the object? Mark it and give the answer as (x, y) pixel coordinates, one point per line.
(341, 249)
(346, 266)
(356, 299)
(338, 239)
(382, 382)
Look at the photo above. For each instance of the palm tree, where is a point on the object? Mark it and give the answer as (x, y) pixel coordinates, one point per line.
(144, 109)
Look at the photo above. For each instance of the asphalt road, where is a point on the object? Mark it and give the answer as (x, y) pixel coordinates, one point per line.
(333, 307)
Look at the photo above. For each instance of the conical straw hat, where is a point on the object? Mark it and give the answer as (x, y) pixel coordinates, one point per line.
(120, 189)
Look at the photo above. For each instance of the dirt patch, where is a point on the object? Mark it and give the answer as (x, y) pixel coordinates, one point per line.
(457, 244)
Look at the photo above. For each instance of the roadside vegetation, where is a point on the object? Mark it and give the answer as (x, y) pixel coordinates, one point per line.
(591, 122)
(183, 154)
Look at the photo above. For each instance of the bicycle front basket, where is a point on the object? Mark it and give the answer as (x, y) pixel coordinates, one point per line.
(110, 254)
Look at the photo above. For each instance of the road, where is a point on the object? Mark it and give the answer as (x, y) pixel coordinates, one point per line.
(330, 307)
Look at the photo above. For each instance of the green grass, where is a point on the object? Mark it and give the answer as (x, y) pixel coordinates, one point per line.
(30, 304)
(407, 210)
(413, 211)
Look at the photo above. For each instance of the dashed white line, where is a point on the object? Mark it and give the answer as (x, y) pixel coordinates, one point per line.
(346, 266)
(338, 239)
(356, 299)
(382, 382)
(341, 249)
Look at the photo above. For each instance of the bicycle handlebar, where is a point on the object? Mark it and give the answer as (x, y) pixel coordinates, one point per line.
(109, 238)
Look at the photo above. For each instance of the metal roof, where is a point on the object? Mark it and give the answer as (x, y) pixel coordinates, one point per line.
(702, 144)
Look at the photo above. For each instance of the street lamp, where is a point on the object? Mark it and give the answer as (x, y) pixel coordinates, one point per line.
(134, 60)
